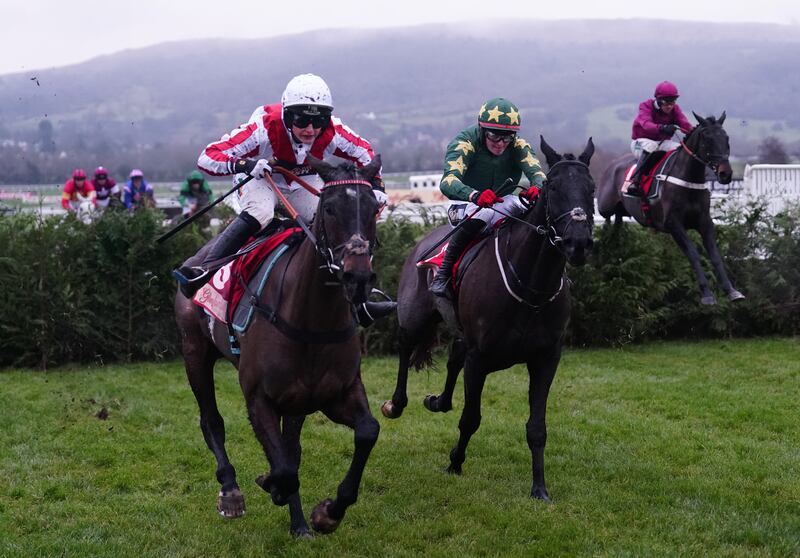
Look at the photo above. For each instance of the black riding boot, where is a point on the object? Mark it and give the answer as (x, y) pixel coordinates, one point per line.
(634, 188)
(367, 313)
(459, 241)
(191, 278)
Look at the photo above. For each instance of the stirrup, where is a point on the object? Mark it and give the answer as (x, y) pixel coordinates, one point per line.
(190, 279)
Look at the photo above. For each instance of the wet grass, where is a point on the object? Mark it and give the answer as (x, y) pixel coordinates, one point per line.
(689, 449)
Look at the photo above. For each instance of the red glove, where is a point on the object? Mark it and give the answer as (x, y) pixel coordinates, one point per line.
(487, 198)
(531, 193)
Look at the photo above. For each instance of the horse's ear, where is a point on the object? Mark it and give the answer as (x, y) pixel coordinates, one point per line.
(369, 171)
(721, 118)
(702, 121)
(586, 156)
(323, 169)
(550, 155)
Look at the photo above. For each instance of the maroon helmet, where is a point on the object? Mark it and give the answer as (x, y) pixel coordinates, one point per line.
(666, 89)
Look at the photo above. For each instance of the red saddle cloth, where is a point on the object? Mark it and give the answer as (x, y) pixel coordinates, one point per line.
(646, 181)
(435, 261)
(221, 295)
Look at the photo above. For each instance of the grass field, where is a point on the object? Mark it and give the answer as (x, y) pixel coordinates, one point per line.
(688, 449)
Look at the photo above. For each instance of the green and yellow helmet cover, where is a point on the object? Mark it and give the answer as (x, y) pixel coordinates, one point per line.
(499, 114)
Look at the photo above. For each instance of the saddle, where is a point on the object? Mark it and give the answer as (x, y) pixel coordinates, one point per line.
(652, 180)
(223, 296)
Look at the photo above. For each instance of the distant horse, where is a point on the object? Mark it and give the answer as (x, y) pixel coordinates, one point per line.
(513, 306)
(300, 354)
(684, 202)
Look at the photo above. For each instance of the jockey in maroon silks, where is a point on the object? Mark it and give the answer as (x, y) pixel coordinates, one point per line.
(653, 128)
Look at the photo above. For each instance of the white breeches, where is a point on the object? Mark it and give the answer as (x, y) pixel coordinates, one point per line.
(257, 198)
(648, 145)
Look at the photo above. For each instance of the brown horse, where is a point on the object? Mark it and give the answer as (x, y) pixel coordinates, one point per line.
(513, 306)
(300, 353)
(684, 202)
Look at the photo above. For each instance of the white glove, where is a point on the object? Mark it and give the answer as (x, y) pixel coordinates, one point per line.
(262, 168)
(186, 210)
(256, 169)
(381, 196)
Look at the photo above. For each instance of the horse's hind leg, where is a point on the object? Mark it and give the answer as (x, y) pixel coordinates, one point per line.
(199, 356)
(706, 230)
(690, 250)
(541, 370)
(455, 362)
(351, 410)
(474, 380)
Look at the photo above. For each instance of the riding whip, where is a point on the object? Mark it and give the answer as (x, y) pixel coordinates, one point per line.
(202, 212)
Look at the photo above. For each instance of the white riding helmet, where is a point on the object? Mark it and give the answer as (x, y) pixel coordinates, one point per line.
(307, 89)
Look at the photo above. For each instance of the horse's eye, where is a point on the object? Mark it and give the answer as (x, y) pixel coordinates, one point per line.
(328, 210)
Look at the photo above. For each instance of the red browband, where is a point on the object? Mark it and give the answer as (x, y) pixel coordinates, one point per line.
(343, 182)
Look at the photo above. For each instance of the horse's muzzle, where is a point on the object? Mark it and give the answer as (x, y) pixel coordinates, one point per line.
(724, 172)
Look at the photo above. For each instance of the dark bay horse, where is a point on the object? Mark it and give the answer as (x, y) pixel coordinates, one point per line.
(304, 360)
(513, 305)
(684, 202)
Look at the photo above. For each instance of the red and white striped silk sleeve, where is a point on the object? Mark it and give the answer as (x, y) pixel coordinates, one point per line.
(350, 145)
(218, 157)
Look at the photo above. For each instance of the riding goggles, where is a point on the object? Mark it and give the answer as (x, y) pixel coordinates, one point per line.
(500, 137)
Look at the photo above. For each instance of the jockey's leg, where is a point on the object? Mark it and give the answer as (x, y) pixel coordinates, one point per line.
(458, 242)
(258, 207)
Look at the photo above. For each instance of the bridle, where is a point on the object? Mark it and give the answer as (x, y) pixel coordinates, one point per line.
(357, 245)
(713, 160)
(575, 215)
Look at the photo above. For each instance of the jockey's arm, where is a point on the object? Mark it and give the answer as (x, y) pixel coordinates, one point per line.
(219, 157)
(459, 155)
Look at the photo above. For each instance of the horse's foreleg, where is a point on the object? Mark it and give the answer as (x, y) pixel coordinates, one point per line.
(455, 362)
(542, 370)
(282, 481)
(199, 357)
(352, 410)
(708, 235)
(291, 437)
(394, 407)
(690, 250)
(474, 380)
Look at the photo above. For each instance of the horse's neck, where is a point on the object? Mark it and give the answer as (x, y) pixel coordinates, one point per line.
(686, 167)
(539, 265)
(311, 301)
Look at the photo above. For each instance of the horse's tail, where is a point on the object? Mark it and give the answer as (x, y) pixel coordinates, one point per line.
(422, 354)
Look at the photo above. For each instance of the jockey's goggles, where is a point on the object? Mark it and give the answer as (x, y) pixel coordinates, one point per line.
(101, 176)
(667, 100)
(302, 116)
(500, 137)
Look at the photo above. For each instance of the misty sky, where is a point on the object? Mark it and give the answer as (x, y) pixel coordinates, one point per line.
(47, 33)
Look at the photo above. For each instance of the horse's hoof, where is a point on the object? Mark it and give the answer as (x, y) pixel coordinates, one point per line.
(434, 404)
(302, 533)
(453, 469)
(321, 520)
(264, 482)
(540, 493)
(390, 410)
(708, 300)
(735, 295)
(230, 503)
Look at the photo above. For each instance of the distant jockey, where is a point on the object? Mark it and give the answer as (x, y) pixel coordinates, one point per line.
(75, 188)
(653, 128)
(138, 193)
(105, 186)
